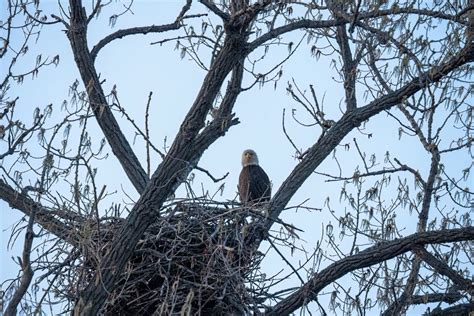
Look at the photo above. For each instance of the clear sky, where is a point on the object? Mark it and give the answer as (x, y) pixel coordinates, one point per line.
(135, 67)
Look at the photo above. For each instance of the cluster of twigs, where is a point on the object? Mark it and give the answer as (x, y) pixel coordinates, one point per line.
(193, 260)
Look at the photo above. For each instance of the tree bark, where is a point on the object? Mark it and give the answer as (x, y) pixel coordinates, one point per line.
(443, 268)
(77, 34)
(187, 148)
(366, 258)
(316, 154)
(62, 223)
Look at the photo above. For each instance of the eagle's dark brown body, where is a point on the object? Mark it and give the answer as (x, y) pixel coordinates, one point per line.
(254, 185)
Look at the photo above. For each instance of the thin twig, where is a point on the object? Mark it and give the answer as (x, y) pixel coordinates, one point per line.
(210, 175)
(25, 264)
(147, 134)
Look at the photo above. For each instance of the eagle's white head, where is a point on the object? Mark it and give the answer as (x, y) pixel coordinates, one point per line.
(249, 157)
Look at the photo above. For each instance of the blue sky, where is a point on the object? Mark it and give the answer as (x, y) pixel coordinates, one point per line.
(135, 67)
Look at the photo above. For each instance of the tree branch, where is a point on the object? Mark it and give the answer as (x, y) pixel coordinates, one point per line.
(403, 301)
(349, 67)
(140, 30)
(470, 23)
(47, 218)
(363, 259)
(406, 296)
(77, 34)
(21, 138)
(300, 24)
(461, 309)
(213, 8)
(449, 298)
(223, 117)
(442, 268)
(312, 24)
(351, 119)
(28, 272)
(132, 31)
(187, 148)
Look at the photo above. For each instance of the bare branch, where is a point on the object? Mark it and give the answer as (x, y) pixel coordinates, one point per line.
(364, 175)
(21, 139)
(138, 130)
(213, 8)
(165, 254)
(461, 309)
(408, 116)
(301, 24)
(320, 150)
(349, 67)
(132, 31)
(366, 258)
(311, 24)
(295, 271)
(57, 222)
(117, 141)
(442, 268)
(403, 301)
(449, 298)
(40, 21)
(416, 173)
(28, 272)
(185, 152)
(147, 135)
(98, 6)
(223, 117)
(210, 175)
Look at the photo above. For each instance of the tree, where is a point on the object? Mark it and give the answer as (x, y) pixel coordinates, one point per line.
(401, 67)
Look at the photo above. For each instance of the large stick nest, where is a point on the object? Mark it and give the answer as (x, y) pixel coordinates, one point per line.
(192, 260)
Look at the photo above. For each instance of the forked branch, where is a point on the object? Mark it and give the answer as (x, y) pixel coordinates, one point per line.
(141, 30)
(57, 222)
(107, 122)
(184, 153)
(26, 268)
(316, 154)
(363, 259)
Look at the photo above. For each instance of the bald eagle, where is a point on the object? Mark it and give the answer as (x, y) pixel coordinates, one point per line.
(254, 185)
